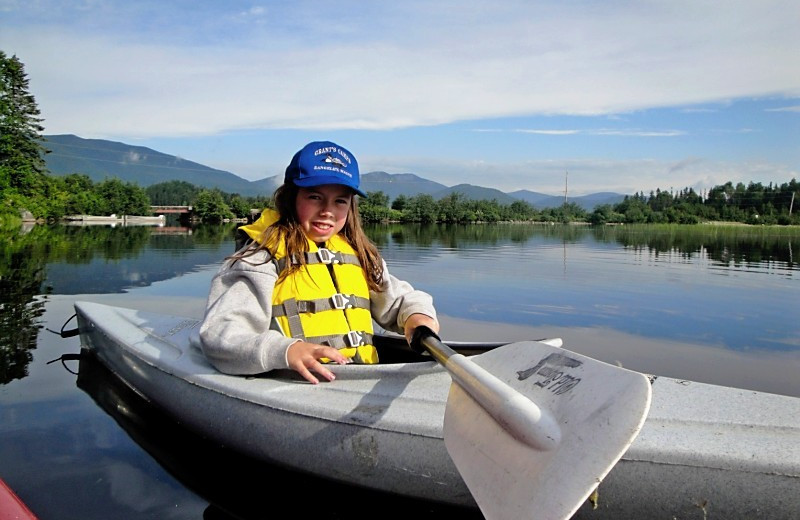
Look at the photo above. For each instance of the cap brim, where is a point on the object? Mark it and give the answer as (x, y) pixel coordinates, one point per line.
(310, 182)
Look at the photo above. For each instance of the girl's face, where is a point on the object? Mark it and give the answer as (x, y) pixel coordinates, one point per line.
(322, 210)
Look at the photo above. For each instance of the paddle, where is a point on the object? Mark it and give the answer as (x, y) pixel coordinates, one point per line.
(532, 428)
(468, 348)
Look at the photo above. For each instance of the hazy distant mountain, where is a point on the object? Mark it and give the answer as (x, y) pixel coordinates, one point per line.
(539, 200)
(268, 185)
(394, 184)
(101, 159)
(587, 202)
(472, 192)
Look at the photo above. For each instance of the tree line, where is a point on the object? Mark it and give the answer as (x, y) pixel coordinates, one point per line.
(26, 186)
(750, 204)
(457, 208)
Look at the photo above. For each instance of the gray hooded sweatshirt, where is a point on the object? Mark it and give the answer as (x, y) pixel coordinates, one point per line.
(235, 334)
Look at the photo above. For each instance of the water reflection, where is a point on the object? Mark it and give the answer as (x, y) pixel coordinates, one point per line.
(725, 245)
(455, 236)
(506, 272)
(22, 271)
(728, 246)
(38, 261)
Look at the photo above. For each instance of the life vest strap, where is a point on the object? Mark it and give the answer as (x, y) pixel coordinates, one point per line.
(326, 256)
(321, 256)
(290, 310)
(338, 301)
(354, 338)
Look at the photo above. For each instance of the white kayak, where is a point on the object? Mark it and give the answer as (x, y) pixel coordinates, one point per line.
(704, 451)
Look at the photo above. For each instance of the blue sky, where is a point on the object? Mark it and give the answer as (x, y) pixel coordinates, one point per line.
(626, 96)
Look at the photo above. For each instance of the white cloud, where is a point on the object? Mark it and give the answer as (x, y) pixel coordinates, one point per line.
(602, 131)
(131, 70)
(639, 133)
(795, 108)
(132, 157)
(547, 132)
(256, 11)
(411, 64)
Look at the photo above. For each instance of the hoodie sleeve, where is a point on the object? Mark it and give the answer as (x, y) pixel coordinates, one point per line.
(235, 333)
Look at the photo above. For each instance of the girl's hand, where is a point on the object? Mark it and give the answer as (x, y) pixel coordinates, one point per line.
(417, 320)
(304, 358)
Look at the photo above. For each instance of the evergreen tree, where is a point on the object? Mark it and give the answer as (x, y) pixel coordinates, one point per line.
(22, 167)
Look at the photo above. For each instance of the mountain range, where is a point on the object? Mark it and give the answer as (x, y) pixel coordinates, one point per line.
(101, 159)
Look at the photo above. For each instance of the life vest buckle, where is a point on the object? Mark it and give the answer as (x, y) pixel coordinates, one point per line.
(355, 338)
(326, 256)
(341, 301)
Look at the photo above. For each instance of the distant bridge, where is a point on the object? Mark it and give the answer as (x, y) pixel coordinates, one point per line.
(162, 210)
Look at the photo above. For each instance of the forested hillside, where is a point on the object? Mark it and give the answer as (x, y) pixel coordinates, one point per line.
(100, 159)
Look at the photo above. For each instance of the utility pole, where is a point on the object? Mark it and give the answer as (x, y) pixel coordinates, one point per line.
(566, 179)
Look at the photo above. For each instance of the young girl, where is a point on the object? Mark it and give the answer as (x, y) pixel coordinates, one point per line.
(306, 290)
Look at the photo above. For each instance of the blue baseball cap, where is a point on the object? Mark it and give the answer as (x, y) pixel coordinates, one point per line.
(323, 162)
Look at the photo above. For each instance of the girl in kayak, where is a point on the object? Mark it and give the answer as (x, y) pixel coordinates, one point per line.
(304, 292)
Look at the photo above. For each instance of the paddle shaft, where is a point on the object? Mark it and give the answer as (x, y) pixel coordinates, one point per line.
(518, 415)
(468, 348)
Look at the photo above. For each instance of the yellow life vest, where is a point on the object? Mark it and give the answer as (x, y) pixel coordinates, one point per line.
(326, 301)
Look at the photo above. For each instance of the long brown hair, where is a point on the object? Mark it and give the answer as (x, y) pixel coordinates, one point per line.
(288, 227)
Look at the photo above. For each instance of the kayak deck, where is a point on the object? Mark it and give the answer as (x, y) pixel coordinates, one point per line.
(703, 449)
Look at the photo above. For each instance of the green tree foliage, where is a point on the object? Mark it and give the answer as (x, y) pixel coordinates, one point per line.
(22, 167)
(211, 206)
(122, 198)
(75, 195)
(454, 208)
(181, 193)
(421, 208)
(605, 214)
(522, 210)
(239, 207)
(375, 208)
(753, 204)
(399, 202)
(172, 193)
(566, 213)
(377, 198)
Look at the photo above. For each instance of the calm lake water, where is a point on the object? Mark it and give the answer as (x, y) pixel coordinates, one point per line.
(710, 304)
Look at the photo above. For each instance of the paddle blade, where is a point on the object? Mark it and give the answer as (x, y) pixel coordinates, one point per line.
(598, 407)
